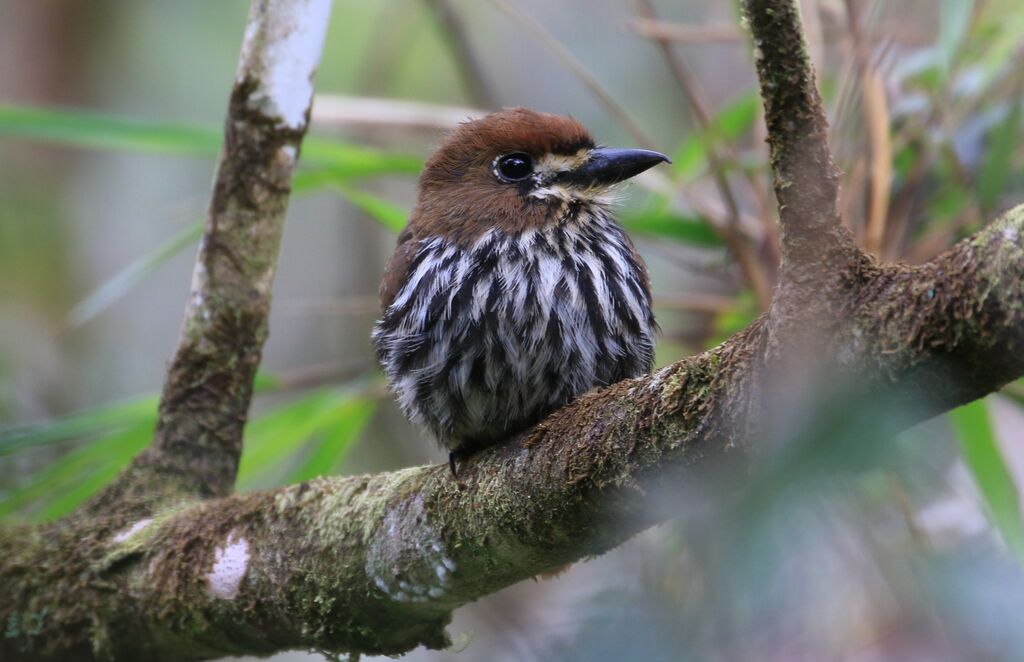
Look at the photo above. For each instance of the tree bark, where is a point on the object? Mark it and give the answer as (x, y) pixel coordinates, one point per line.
(166, 565)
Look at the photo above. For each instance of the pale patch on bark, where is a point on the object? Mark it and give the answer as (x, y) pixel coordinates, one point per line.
(409, 566)
(230, 564)
(280, 53)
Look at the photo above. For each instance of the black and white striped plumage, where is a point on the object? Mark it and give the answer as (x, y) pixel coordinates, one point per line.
(482, 341)
(512, 290)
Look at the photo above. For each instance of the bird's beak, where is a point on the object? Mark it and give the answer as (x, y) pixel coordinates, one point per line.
(606, 166)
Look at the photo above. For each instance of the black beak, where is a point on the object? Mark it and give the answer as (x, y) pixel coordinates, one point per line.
(606, 166)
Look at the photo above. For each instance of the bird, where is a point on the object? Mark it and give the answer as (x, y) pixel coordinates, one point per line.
(512, 289)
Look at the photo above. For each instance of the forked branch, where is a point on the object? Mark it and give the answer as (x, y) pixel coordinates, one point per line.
(377, 563)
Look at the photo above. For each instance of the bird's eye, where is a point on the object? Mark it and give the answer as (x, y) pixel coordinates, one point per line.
(514, 167)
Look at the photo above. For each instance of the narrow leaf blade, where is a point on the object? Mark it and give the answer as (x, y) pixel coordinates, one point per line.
(981, 452)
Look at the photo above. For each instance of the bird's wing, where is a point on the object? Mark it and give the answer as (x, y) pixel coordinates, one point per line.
(397, 270)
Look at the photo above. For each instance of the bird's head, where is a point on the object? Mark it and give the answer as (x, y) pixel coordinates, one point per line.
(519, 169)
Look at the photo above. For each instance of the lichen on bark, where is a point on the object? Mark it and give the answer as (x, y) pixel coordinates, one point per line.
(166, 564)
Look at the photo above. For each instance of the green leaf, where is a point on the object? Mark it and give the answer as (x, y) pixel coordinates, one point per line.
(85, 129)
(948, 201)
(337, 439)
(997, 167)
(280, 433)
(981, 453)
(344, 161)
(386, 213)
(733, 121)
(57, 485)
(81, 128)
(737, 118)
(80, 425)
(137, 271)
(83, 488)
(692, 230)
(736, 319)
(389, 215)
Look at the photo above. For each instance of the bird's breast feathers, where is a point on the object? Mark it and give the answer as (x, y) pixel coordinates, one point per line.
(482, 340)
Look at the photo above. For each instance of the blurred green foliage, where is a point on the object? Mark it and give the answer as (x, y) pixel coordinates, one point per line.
(954, 120)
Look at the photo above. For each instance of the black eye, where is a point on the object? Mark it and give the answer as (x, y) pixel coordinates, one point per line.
(515, 167)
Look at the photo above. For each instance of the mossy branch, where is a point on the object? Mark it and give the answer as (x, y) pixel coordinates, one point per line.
(377, 563)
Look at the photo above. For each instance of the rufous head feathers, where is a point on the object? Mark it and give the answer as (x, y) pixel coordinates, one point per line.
(516, 169)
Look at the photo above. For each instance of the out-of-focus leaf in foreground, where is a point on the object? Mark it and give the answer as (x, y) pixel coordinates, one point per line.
(981, 452)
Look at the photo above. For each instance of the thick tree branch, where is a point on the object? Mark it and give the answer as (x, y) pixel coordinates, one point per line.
(209, 382)
(377, 563)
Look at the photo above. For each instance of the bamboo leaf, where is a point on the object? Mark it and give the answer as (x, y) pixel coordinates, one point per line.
(384, 212)
(282, 432)
(97, 131)
(80, 425)
(980, 451)
(57, 486)
(337, 439)
(137, 271)
(80, 128)
(83, 488)
(692, 230)
(733, 121)
(94, 425)
(389, 215)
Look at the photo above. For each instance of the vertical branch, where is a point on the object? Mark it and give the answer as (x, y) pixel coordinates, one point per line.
(806, 178)
(209, 382)
(563, 55)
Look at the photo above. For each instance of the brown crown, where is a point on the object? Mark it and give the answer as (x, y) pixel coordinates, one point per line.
(460, 198)
(477, 142)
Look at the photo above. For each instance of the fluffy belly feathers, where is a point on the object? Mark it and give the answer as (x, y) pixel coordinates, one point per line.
(483, 341)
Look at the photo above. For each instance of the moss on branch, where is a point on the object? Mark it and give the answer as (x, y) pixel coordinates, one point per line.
(157, 569)
(376, 564)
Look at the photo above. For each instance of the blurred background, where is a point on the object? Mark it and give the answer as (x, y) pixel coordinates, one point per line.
(848, 544)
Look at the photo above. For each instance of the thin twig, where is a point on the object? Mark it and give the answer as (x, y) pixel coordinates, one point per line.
(336, 110)
(746, 255)
(654, 28)
(876, 115)
(563, 55)
(469, 66)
